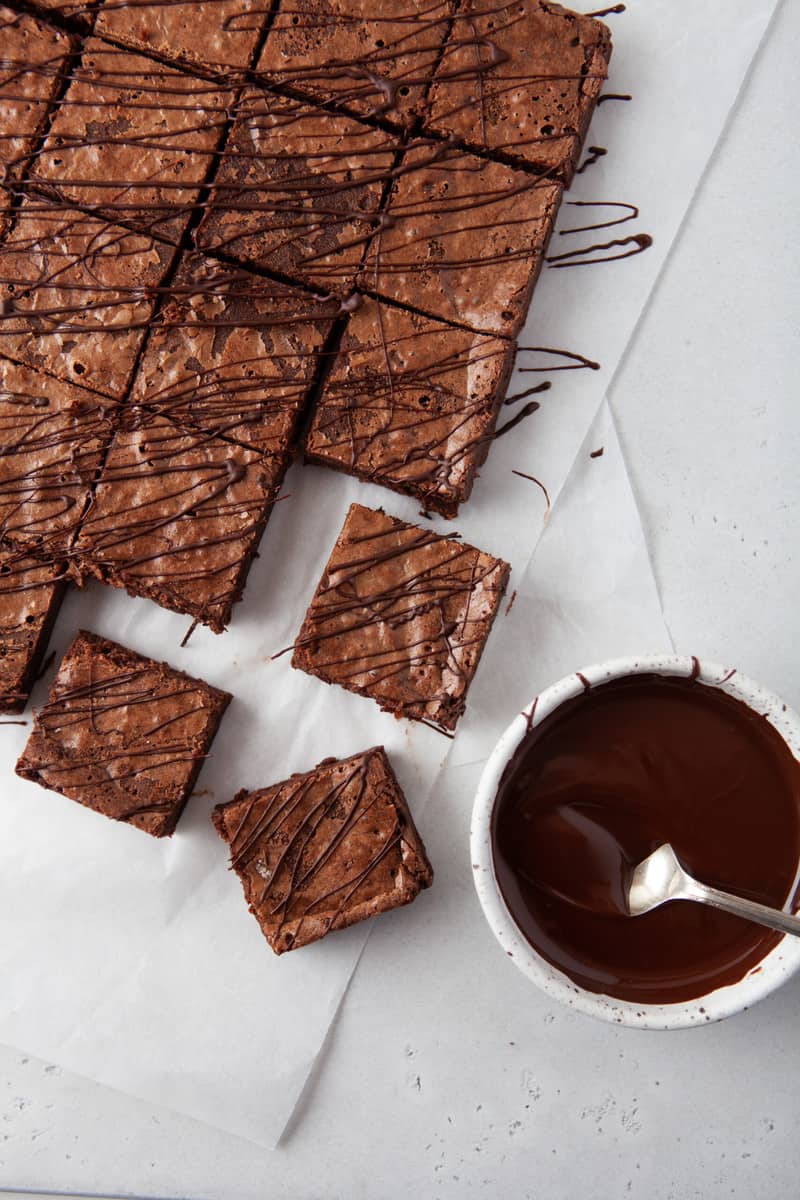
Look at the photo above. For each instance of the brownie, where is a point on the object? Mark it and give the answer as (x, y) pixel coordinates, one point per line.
(132, 139)
(30, 597)
(411, 403)
(401, 615)
(79, 12)
(32, 63)
(521, 79)
(208, 33)
(177, 516)
(371, 59)
(52, 439)
(76, 293)
(296, 189)
(463, 239)
(324, 849)
(233, 354)
(122, 734)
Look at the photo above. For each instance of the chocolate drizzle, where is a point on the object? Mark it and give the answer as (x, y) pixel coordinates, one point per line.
(641, 242)
(594, 155)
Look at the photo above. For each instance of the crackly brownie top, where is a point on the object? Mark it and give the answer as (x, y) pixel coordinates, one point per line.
(52, 438)
(324, 849)
(76, 293)
(121, 733)
(401, 614)
(373, 59)
(233, 353)
(463, 238)
(410, 403)
(521, 78)
(132, 138)
(214, 34)
(296, 190)
(32, 61)
(176, 515)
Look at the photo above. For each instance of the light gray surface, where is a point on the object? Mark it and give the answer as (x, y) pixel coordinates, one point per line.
(485, 1088)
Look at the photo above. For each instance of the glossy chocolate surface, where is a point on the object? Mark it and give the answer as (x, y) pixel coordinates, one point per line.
(605, 779)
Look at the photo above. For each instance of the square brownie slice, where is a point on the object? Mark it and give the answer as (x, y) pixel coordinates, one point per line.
(324, 849)
(373, 60)
(76, 294)
(297, 191)
(233, 354)
(33, 59)
(411, 403)
(401, 615)
(52, 439)
(133, 140)
(177, 515)
(521, 79)
(30, 597)
(212, 34)
(463, 239)
(123, 734)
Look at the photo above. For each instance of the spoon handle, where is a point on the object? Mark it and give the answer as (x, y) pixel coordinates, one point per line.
(773, 918)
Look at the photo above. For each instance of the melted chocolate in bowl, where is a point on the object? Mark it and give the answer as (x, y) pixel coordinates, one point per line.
(605, 779)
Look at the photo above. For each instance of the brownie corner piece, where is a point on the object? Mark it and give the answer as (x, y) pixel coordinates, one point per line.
(464, 238)
(324, 849)
(411, 404)
(401, 615)
(521, 80)
(122, 734)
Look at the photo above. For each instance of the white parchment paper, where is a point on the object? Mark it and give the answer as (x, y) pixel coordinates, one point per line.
(135, 962)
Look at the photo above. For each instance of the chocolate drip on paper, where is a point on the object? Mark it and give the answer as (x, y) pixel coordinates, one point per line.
(641, 242)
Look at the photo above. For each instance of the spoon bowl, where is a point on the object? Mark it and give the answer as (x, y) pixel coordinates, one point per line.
(660, 878)
(777, 965)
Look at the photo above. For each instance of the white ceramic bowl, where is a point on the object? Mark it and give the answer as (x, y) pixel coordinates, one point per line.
(781, 962)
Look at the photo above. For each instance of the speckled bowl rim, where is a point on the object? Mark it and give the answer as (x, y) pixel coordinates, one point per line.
(767, 975)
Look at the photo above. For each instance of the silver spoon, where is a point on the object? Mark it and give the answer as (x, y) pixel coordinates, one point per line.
(661, 878)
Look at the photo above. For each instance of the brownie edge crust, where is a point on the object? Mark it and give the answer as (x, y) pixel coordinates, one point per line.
(324, 849)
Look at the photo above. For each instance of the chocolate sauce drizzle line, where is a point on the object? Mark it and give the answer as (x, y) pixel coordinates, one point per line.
(641, 242)
(436, 579)
(632, 215)
(539, 484)
(577, 362)
(526, 411)
(613, 96)
(315, 819)
(607, 12)
(595, 153)
(531, 391)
